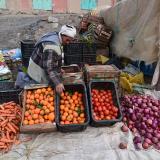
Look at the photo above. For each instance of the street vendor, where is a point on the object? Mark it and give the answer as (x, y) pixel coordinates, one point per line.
(46, 60)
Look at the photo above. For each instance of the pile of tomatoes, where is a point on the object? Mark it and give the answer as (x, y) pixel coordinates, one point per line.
(72, 108)
(39, 106)
(103, 106)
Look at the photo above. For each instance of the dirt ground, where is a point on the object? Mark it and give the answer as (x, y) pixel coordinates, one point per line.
(14, 28)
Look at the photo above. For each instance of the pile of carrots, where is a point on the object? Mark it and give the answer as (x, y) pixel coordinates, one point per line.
(10, 119)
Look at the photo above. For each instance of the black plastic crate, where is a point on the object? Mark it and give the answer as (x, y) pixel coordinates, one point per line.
(27, 47)
(89, 49)
(8, 92)
(25, 62)
(89, 59)
(80, 87)
(108, 85)
(73, 49)
(73, 59)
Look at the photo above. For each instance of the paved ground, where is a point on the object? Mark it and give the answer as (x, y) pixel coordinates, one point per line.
(14, 28)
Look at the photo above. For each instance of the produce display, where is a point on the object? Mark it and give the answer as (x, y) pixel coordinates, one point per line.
(103, 106)
(142, 116)
(10, 119)
(40, 106)
(72, 108)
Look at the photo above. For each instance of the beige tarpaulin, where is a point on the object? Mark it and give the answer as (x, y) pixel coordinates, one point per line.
(92, 144)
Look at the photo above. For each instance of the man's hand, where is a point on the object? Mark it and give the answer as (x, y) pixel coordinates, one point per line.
(60, 88)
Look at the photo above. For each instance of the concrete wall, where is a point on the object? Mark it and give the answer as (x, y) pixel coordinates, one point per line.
(56, 6)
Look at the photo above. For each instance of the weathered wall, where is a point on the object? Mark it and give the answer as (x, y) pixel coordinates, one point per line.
(55, 6)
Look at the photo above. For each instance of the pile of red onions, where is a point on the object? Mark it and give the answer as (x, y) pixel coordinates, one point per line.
(142, 116)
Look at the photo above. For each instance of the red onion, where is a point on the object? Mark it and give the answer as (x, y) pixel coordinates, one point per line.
(138, 146)
(148, 135)
(149, 121)
(157, 146)
(145, 145)
(154, 140)
(147, 140)
(137, 139)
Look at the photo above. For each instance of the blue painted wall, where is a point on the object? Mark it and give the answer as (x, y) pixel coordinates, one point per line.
(88, 4)
(2, 4)
(42, 4)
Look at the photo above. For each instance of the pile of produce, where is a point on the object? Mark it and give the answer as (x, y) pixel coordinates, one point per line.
(72, 108)
(103, 106)
(10, 119)
(40, 106)
(142, 116)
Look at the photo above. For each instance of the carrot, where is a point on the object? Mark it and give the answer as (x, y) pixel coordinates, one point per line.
(2, 143)
(8, 129)
(7, 135)
(11, 127)
(4, 122)
(3, 147)
(14, 126)
(6, 140)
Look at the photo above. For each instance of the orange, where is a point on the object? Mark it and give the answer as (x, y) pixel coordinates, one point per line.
(51, 109)
(43, 90)
(68, 97)
(29, 117)
(63, 118)
(39, 91)
(41, 97)
(45, 116)
(32, 107)
(32, 97)
(42, 112)
(66, 109)
(35, 116)
(49, 89)
(28, 101)
(51, 116)
(61, 122)
(82, 115)
(41, 120)
(36, 96)
(29, 92)
(45, 103)
(61, 112)
(66, 102)
(65, 114)
(37, 111)
(44, 107)
(70, 111)
(75, 121)
(75, 101)
(31, 122)
(25, 122)
(74, 97)
(62, 94)
(47, 111)
(75, 114)
(36, 121)
(66, 122)
(71, 101)
(26, 113)
(27, 106)
(51, 99)
(62, 101)
(62, 107)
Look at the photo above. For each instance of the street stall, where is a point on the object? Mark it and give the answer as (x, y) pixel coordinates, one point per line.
(107, 110)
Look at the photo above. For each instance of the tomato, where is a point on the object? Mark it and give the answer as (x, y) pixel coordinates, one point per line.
(99, 108)
(103, 108)
(106, 112)
(96, 99)
(95, 109)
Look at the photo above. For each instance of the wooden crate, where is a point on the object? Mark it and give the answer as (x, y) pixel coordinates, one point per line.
(101, 72)
(35, 128)
(72, 74)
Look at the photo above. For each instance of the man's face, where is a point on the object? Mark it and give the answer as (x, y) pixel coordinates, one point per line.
(66, 40)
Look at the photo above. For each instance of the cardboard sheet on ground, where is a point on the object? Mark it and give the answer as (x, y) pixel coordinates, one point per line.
(92, 144)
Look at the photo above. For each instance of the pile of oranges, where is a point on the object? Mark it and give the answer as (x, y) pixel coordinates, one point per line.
(71, 108)
(39, 106)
